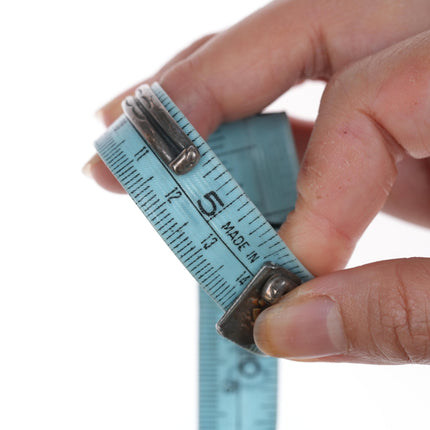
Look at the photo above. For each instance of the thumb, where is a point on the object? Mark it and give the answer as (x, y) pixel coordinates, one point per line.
(378, 313)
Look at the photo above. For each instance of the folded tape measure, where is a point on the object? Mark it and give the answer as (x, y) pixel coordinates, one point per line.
(216, 230)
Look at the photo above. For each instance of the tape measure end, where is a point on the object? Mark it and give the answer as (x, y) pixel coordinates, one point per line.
(266, 288)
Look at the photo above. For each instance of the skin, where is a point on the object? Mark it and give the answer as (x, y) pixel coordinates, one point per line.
(368, 150)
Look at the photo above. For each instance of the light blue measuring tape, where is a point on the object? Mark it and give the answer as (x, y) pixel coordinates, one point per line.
(238, 389)
(209, 222)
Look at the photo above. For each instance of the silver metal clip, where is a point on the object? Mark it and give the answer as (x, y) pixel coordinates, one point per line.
(266, 288)
(154, 123)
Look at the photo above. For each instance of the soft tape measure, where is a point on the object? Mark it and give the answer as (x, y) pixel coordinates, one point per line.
(201, 211)
(238, 389)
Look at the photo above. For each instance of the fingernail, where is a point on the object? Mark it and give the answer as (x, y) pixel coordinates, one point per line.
(86, 170)
(301, 329)
(99, 115)
(108, 113)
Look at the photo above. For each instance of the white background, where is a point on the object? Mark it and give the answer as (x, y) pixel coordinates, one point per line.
(98, 322)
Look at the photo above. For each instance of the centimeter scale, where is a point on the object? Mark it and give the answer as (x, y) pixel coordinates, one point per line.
(190, 196)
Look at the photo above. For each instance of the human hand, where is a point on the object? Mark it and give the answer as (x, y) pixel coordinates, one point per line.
(368, 150)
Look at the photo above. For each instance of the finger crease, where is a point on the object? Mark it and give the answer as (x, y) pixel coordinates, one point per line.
(398, 328)
(331, 225)
(321, 65)
(394, 148)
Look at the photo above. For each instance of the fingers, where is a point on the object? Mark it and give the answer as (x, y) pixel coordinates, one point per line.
(371, 115)
(240, 71)
(95, 168)
(409, 197)
(112, 110)
(379, 313)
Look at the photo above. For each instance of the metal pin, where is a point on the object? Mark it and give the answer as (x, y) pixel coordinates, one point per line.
(269, 284)
(159, 129)
(276, 286)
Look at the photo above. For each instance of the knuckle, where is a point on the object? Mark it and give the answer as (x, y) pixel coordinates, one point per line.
(188, 80)
(339, 97)
(401, 326)
(401, 103)
(202, 40)
(350, 86)
(319, 63)
(335, 86)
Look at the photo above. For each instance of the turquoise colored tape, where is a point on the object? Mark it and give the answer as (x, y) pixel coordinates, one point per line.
(237, 389)
(204, 216)
(221, 237)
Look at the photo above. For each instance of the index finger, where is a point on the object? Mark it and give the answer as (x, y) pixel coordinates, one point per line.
(112, 110)
(372, 115)
(238, 72)
(242, 70)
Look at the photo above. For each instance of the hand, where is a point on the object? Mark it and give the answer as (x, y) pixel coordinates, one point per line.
(369, 150)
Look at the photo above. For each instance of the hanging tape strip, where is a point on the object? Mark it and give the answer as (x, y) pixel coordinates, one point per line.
(204, 215)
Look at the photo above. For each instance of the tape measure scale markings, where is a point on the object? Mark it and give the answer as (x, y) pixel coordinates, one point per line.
(208, 221)
(204, 215)
(238, 389)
